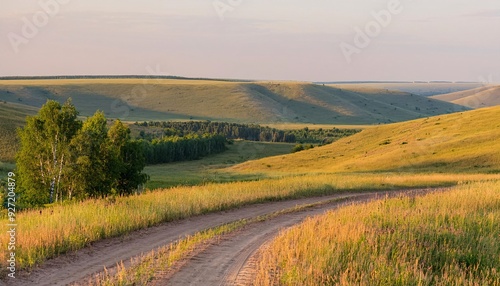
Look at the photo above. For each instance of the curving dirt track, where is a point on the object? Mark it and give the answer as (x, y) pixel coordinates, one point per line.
(218, 265)
(233, 261)
(223, 264)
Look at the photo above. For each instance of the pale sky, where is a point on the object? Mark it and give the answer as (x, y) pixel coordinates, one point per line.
(454, 40)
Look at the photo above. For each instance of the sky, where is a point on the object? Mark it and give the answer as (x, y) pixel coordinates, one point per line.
(314, 40)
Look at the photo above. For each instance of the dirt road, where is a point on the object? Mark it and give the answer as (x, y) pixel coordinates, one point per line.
(223, 264)
(233, 261)
(224, 260)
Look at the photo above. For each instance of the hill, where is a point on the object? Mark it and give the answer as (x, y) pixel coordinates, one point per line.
(474, 98)
(461, 142)
(418, 88)
(12, 116)
(249, 102)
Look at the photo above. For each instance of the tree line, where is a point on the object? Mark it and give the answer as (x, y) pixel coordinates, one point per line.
(177, 148)
(250, 132)
(62, 158)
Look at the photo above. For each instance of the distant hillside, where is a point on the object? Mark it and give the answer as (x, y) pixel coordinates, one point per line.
(464, 142)
(418, 88)
(475, 98)
(247, 102)
(12, 116)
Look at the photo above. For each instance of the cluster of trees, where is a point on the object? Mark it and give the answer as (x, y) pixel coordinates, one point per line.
(301, 147)
(176, 148)
(249, 132)
(321, 136)
(62, 158)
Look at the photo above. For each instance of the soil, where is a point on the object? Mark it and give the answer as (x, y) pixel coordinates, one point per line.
(225, 263)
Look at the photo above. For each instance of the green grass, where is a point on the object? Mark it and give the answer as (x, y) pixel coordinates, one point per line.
(208, 169)
(461, 142)
(245, 102)
(12, 116)
(445, 238)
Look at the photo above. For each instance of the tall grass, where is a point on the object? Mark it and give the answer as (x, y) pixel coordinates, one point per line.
(154, 265)
(446, 238)
(164, 261)
(58, 229)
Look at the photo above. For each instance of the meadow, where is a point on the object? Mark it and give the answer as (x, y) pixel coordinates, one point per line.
(209, 169)
(12, 116)
(459, 142)
(61, 228)
(159, 263)
(446, 150)
(136, 99)
(419, 88)
(444, 238)
(484, 96)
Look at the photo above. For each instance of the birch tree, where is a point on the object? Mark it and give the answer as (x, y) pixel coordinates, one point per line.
(43, 157)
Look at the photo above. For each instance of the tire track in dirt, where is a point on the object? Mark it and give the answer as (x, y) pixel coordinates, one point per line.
(77, 266)
(233, 260)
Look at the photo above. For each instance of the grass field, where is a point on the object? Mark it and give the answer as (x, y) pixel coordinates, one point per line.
(245, 102)
(155, 264)
(461, 142)
(476, 98)
(12, 116)
(444, 150)
(448, 238)
(62, 228)
(208, 169)
(423, 88)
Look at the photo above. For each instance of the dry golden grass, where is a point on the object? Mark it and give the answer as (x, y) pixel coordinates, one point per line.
(157, 263)
(146, 269)
(475, 98)
(447, 238)
(59, 229)
(425, 89)
(461, 142)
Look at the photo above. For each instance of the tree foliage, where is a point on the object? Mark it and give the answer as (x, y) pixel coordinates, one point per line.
(61, 157)
(251, 132)
(189, 147)
(44, 153)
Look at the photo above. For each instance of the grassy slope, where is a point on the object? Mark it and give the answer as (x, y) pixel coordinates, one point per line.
(475, 98)
(465, 141)
(12, 116)
(259, 102)
(424, 89)
(448, 238)
(208, 169)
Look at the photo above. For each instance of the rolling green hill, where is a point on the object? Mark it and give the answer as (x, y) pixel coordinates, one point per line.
(247, 102)
(474, 98)
(461, 142)
(12, 116)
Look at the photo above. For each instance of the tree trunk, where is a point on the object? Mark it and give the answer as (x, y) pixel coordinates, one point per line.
(59, 191)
